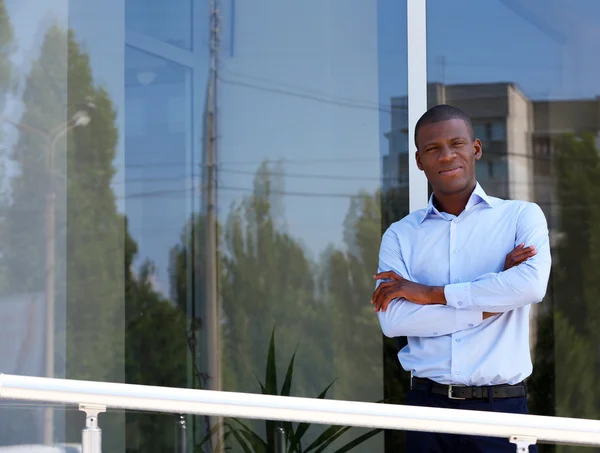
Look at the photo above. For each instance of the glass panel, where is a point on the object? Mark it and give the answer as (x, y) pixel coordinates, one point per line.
(161, 223)
(169, 21)
(528, 70)
(305, 119)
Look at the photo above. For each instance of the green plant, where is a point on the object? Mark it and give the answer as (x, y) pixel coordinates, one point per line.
(283, 437)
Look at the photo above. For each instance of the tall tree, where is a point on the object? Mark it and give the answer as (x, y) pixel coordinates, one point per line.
(268, 282)
(117, 327)
(577, 274)
(348, 284)
(6, 84)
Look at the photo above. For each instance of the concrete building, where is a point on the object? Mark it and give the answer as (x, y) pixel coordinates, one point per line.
(516, 132)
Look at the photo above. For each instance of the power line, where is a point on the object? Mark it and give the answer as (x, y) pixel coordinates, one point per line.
(308, 96)
(253, 173)
(189, 190)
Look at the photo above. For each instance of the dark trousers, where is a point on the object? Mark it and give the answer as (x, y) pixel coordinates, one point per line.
(427, 442)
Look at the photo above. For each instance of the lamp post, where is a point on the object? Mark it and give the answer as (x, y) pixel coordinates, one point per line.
(51, 138)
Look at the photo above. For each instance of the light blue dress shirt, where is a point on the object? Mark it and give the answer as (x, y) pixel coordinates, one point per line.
(452, 344)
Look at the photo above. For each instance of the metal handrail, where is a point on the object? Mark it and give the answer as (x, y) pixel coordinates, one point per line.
(94, 397)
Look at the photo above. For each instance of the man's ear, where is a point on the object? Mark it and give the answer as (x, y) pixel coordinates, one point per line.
(418, 159)
(478, 146)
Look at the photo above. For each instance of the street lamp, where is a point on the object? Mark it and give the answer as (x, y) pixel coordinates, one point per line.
(80, 118)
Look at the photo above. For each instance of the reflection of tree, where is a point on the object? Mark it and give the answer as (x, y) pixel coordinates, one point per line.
(348, 285)
(117, 325)
(567, 356)
(6, 48)
(267, 281)
(396, 380)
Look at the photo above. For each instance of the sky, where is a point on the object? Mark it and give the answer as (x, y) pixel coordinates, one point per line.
(306, 84)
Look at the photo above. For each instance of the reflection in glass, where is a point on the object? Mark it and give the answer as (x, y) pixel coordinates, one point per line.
(305, 120)
(533, 95)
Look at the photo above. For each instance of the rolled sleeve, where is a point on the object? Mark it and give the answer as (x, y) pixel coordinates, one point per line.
(458, 295)
(515, 287)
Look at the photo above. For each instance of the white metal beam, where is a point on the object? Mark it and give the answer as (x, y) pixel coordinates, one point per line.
(416, 19)
(310, 410)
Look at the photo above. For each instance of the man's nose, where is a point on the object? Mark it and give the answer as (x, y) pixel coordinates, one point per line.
(446, 153)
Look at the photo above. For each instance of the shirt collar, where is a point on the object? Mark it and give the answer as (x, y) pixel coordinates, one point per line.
(478, 196)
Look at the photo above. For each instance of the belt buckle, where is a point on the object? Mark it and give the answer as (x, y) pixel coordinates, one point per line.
(450, 387)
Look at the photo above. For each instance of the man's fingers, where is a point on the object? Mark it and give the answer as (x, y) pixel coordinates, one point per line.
(379, 289)
(385, 305)
(384, 298)
(524, 255)
(522, 251)
(387, 274)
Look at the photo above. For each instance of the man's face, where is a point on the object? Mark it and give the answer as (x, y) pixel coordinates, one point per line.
(447, 154)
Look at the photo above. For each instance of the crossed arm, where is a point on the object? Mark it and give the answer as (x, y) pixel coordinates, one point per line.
(407, 308)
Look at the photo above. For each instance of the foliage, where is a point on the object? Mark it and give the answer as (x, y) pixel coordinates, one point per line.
(577, 269)
(267, 279)
(292, 434)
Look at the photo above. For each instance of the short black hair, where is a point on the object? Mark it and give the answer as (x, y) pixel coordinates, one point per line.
(443, 112)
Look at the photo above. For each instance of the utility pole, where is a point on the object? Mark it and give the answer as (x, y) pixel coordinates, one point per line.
(212, 321)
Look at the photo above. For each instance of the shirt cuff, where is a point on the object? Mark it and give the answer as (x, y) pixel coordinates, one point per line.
(458, 295)
(467, 319)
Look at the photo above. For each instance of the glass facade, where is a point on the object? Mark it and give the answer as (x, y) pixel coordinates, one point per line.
(193, 195)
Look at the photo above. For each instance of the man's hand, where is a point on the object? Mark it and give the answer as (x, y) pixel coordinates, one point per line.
(397, 287)
(519, 255)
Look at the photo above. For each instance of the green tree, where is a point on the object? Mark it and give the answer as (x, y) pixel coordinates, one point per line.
(117, 327)
(348, 284)
(6, 84)
(6, 47)
(267, 281)
(577, 274)
(347, 277)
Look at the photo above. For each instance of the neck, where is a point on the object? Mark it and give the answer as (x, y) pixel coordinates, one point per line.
(453, 203)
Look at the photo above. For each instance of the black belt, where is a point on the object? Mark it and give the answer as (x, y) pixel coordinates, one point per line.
(463, 392)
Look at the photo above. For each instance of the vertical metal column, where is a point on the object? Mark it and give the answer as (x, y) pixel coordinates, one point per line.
(416, 24)
(91, 436)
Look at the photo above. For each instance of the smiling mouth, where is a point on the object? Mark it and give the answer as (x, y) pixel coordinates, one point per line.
(451, 172)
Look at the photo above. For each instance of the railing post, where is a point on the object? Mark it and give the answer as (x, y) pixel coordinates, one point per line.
(181, 435)
(523, 443)
(280, 441)
(91, 436)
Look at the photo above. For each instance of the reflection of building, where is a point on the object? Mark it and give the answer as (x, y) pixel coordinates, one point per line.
(502, 119)
(516, 133)
(552, 118)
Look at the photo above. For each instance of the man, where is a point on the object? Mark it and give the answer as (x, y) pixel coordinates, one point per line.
(458, 279)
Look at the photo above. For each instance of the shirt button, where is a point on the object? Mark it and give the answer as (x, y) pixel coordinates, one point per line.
(435, 333)
(456, 372)
(460, 303)
(454, 251)
(457, 340)
(470, 325)
(456, 280)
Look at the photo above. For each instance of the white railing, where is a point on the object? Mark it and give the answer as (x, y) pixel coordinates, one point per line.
(96, 397)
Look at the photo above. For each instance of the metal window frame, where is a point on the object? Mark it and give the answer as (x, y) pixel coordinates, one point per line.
(416, 24)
